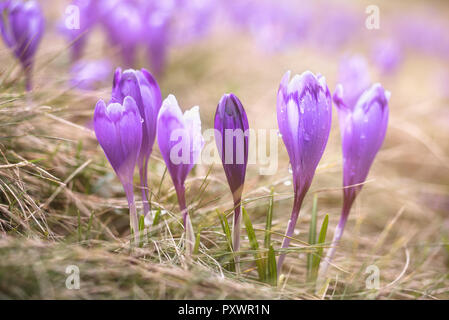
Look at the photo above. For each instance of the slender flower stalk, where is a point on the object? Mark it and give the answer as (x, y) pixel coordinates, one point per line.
(231, 137)
(22, 32)
(143, 88)
(363, 128)
(304, 113)
(118, 128)
(180, 142)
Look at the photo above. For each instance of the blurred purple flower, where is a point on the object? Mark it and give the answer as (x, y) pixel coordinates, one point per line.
(118, 128)
(304, 112)
(387, 55)
(157, 28)
(143, 88)
(231, 137)
(124, 27)
(335, 26)
(277, 27)
(193, 19)
(78, 34)
(86, 75)
(180, 142)
(423, 32)
(354, 76)
(363, 128)
(22, 27)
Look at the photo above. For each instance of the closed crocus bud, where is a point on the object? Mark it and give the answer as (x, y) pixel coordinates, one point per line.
(363, 128)
(118, 128)
(124, 27)
(304, 112)
(144, 89)
(180, 142)
(231, 136)
(22, 27)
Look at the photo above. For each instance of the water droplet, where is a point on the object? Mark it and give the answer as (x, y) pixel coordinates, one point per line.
(296, 232)
(290, 169)
(287, 183)
(279, 134)
(306, 136)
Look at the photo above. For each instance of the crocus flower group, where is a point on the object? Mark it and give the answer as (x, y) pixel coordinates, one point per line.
(126, 130)
(127, 127)
(22, 27)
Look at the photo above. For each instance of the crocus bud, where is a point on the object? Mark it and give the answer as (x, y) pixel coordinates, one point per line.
(124, 27)
(363, 128)
(180, 142)
(22, 32)
(231, 137)
(145, 91)
(118, 128)
(304, 112)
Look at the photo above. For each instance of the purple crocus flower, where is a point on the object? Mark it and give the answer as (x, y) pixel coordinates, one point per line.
(363, 127)
(180, 142)
(304, 113)
(22, 32)
(124, 27)
(118, 128)
(231, 137)
(146, 93)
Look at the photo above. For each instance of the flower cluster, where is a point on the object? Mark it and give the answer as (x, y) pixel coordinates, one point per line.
(126, 129)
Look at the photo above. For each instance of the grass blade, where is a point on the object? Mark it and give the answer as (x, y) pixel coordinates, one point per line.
(268, 223)
(197, 242)
(227, 231)
(254, 245)
(272, 267)
(312, 236)
(321, 240)
(157, 217)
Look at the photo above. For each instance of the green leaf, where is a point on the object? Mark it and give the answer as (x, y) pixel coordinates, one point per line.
(272, 271)
(268, 223)
(321, 241)
(312, 236)
(254, 245)
(227, 231)
(157, 217)
(197, 242)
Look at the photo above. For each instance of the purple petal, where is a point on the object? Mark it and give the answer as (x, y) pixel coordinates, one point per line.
(304, 117)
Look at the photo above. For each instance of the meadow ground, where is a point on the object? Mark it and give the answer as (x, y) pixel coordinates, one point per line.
(61, 204)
